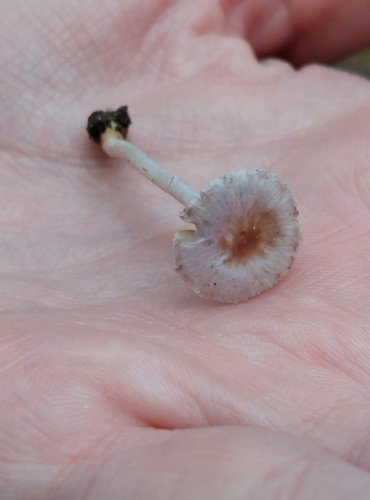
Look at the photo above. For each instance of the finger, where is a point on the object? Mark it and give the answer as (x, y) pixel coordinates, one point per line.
(328, 30)
(201, 464)
(306, 30)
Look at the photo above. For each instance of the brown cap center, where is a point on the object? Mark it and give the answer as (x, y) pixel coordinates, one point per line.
(249, 236)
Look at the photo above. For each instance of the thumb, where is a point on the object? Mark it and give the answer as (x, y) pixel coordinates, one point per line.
(214, 463)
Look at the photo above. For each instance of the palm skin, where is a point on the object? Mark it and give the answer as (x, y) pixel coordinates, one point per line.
(116, 380)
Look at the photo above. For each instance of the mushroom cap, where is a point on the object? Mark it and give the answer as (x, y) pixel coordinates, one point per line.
(247, 233)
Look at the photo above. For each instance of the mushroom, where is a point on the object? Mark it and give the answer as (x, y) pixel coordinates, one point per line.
(247, 229)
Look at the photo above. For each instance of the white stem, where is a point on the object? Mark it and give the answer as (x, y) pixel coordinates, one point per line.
(177, 188)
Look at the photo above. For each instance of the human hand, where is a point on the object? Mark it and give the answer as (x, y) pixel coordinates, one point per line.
(116, 381)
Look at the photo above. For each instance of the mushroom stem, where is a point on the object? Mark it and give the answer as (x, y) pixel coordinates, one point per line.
(175, 187)
(246, 222)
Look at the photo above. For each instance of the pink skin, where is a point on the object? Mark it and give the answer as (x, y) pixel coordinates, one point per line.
(115, 380)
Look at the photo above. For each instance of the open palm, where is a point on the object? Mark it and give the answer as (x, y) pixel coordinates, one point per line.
(116, 381)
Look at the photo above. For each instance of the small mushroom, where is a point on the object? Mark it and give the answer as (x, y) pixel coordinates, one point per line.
(247, 229)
